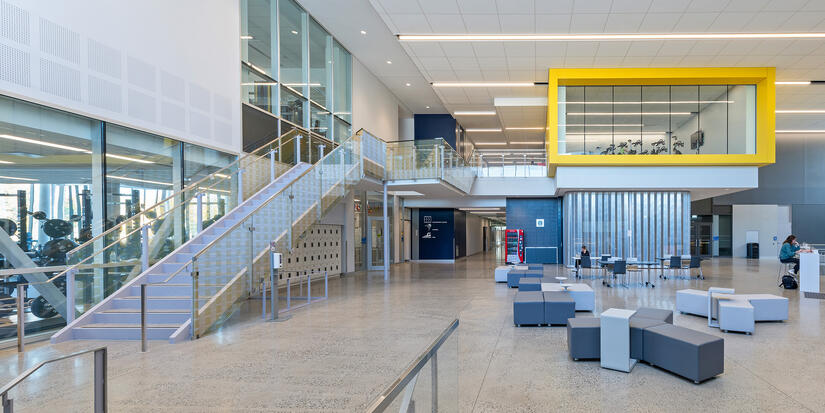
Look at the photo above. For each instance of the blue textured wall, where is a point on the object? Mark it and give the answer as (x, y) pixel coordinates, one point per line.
(522, 214)
(440, 246)
(435, 126)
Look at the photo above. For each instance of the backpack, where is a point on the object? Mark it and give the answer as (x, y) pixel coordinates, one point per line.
(789, 282)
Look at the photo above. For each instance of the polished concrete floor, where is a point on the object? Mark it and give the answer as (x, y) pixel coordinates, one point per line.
(339, 354)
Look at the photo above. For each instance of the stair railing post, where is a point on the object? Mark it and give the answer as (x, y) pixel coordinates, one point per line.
(297, 149)
(199, 213)
(101, 380)
(320, 181)
(240, 185)
(434, 381)
(263, 298)
(144, 248)
(250, 266)
(291, 220)
(21, 318)
(143, 345)
(70, 309)
(8, 404)
(272, 165)
(326, 284)
(309, 288)
(441, 156)
(288, 293)
(193, 320)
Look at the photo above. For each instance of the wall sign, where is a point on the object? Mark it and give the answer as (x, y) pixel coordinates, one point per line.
(540, 223)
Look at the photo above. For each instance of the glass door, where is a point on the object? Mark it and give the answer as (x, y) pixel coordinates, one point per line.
(375, 243)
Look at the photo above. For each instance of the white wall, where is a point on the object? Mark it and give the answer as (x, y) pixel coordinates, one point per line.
(406, 124)
(771, 221)
(474, 234)
(374, 107)
(167, 67)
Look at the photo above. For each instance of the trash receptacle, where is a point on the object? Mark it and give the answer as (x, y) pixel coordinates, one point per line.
(753, 250)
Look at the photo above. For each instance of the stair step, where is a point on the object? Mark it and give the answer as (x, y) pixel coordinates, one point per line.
(132, 316)
(109, 331)
(133, 311)
(137, 326)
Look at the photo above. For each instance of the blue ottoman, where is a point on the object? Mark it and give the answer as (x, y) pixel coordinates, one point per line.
(514, 275)
(536, 267)
(528, 308)
(530, 284)
(558, 307)
(584, 338)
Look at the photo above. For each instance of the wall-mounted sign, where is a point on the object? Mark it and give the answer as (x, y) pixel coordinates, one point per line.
(540, 223)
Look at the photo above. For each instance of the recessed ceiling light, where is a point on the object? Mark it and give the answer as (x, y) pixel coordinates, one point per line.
(628, 113)
(526, 143)
(363, 32)
(428, 107)
(246, 37)
(490, 143)
(474, 113)
(483, 84)
(6, 162)
(41, 143)
(19, 179)
(801, 131)
(389, 62)
(483, 130)
(590, 37)
(126, 178)
(525, 128)
(408, 84)
(294, 32)
(800, 83)
(127, 158)
(801, 111)
(259, 83)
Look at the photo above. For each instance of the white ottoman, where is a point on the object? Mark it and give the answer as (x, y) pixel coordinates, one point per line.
(582, 294)
(692, 302)
(501, 273)
(736, 315)
(768, 307)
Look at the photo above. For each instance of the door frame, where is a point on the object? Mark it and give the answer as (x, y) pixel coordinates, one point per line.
(369, 245)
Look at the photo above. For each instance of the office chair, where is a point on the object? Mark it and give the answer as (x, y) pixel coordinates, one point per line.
(696, 262)
(585, 263)
(619, 268)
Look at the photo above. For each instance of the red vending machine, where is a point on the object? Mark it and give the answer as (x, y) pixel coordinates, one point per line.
(514, 242)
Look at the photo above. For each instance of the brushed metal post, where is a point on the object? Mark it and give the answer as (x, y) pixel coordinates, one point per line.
(21, 318)
(101, 381)
(143, 345)
(70, 308)
(144, 248)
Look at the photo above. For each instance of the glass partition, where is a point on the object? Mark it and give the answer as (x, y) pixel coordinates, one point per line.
(257, 36)
(653, 120)
(320, 63)
(292, 36)
(342, 85)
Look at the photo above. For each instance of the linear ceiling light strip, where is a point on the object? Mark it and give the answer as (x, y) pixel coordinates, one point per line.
(592, 37)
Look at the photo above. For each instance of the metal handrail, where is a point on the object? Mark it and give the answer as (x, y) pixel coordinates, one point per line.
(100, 379)
(386, 398)
(177, 193)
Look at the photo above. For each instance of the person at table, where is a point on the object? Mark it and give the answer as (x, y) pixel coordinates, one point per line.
(787, 255)
(584, 252)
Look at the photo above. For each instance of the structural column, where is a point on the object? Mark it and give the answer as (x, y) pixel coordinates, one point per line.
(386, 236)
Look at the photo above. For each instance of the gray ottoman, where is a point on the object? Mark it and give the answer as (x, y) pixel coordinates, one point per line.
(688, 353)
(558, 307)
(583, 338)
(638, 325)
(536, 267)
(514, 275)
(655, 314)
(530, 284)
(528, 308)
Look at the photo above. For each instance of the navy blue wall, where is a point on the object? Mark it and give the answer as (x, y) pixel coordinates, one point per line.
(522, 214)
(435, 126)
(436, 242)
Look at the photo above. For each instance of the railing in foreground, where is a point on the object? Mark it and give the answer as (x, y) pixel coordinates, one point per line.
(389, 399)
(101, 401)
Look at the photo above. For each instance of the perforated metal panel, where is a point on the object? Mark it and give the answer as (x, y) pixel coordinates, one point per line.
(200, 98)
(222, 107)
(200, 124)
(318, 251)
(173, 116)
(60, 80)
(105, 94)
(14, 23)
(141, 105)
(141, 74)
(59, 41)
(104, 59)
(15, 66)
(172, 87)
(223, 131)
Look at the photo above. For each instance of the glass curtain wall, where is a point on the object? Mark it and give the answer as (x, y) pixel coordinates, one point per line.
(294, 69)
(653, 120)
(64, 179)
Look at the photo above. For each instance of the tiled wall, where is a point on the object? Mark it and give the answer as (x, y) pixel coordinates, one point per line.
(522, 214)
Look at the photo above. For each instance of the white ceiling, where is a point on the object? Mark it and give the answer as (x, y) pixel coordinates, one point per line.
(529, 61)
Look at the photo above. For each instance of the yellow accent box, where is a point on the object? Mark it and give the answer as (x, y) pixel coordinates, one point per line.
(763, 77)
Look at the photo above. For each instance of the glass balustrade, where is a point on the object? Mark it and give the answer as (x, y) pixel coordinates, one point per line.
(221, 271)
(430, 159)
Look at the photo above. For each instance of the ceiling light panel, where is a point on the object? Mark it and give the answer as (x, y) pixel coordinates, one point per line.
(483, 130)
(597, 37)
(474, 113)
(484, 84)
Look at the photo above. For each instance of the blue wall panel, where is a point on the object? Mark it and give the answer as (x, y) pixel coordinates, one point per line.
(522, 214)
(435, 126)
(436, 233)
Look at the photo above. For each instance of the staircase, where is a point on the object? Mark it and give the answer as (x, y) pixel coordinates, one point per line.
(193, 288)
(169, 297)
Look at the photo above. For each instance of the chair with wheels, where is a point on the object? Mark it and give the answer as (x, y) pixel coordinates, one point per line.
(619, 268)
(586, 262)
(675, 266)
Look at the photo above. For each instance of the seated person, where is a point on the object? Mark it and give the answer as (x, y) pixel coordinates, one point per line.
(788, 253)
(583, 253)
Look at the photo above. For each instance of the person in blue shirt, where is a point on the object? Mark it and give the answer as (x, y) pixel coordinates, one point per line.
(788, 252)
